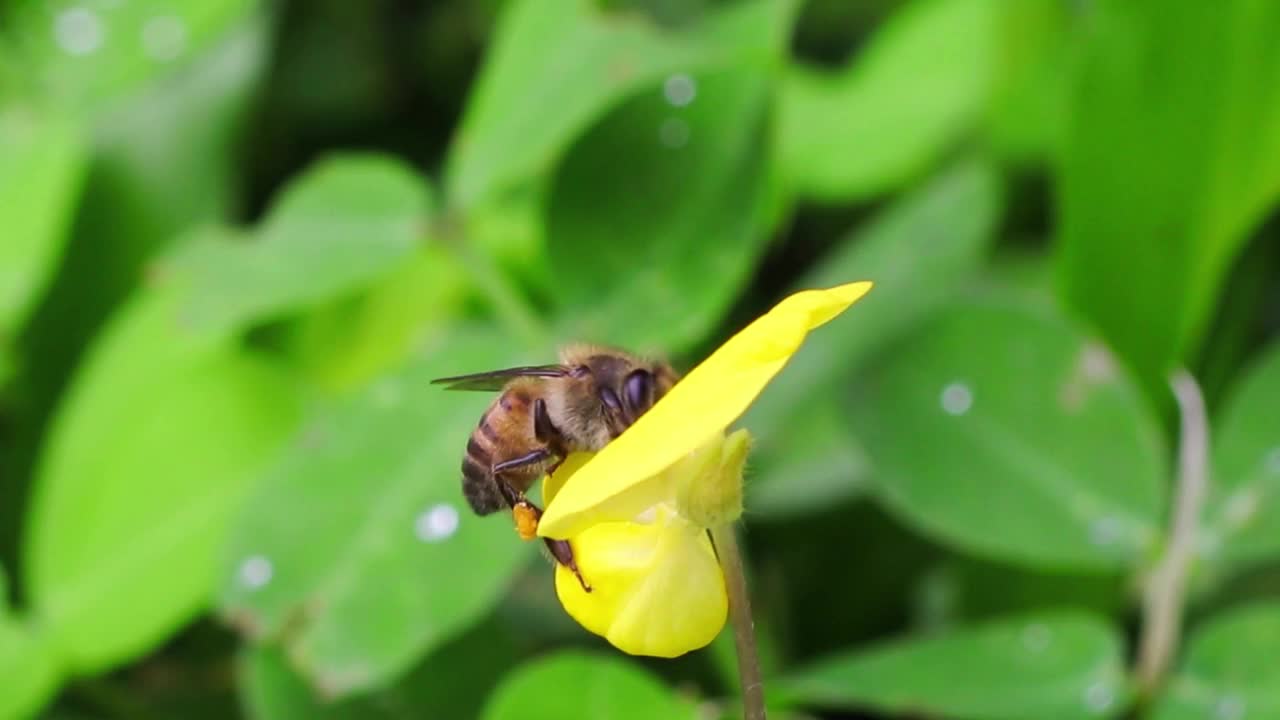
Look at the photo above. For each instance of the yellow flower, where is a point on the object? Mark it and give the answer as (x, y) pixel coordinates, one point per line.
(637, 512)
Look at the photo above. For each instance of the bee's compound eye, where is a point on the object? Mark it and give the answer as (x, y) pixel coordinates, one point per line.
(637, 388)
(610, 398)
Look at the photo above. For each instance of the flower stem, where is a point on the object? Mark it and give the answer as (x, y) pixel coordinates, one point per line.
(744, 632)
(1166, 587)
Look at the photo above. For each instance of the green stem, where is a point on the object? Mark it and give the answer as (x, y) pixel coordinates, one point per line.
(1165, 591)
(744, 632)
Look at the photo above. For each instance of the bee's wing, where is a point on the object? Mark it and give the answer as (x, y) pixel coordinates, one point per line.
(496, 379)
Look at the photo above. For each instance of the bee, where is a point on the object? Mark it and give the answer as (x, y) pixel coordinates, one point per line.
(541, 415)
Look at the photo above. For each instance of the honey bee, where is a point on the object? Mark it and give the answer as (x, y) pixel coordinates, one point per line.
(541, 415)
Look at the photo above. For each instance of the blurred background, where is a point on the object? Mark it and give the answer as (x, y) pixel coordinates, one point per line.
(237, 239)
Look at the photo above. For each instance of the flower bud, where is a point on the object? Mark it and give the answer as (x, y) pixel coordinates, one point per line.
(712, 495)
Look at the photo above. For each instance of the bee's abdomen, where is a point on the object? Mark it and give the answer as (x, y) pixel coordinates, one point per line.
(478, 485)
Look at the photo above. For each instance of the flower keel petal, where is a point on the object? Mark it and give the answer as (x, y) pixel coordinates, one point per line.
(657, 589)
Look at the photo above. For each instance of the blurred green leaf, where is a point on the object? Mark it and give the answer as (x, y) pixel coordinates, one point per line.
(148, 454)
(344, 223)
(1022, 271)
(1050, 666)
(583, 686)
(352, 340)
(919, 252)
(272, 691)
(557, 65)
(1230, 670)
(1001, 429)
(42, 161)
(401, 565)
(967, 589)
(1147, 233)
(1242, 517)
(451, 682)
(28, 673)
(904, 101)
(684, 221)
(163, 163)
(807, 464)
(93, 56)
(1029, 83)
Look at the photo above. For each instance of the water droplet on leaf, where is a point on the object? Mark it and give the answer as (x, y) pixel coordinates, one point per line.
(1099, 697)
(164, 38)
(1228, 707)
(1105, 530)
(1273, 461)
(1241, 507)
(436, 523)
(680, 90)
(956, 399)
(256, 571)
(673, 133)
(78, 31)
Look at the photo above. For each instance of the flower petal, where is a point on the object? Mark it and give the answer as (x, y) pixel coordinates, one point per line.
(700, 466)
(700, 406)
(657, 589)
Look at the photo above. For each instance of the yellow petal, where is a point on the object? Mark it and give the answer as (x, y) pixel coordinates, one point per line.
(552, 483)
(702, 466)
(657, 588)
(700, 406)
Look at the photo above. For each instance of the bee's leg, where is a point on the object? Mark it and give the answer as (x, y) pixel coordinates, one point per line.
(546, 432)
(509, 492)
(562, 551)
(521, 506)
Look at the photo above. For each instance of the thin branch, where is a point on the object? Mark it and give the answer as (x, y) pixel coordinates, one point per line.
(1165, 594)
(744, 632)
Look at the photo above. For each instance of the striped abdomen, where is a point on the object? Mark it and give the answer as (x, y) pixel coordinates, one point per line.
(504, 431)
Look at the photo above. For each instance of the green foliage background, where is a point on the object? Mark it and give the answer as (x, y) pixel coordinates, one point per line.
(237, 240)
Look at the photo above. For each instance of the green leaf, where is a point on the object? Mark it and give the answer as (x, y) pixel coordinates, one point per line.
(163, 163)
(1145, 242)
(402, 565)
(570, 57)
(1242, 516)
(685, 223)
(806, 465)
(354, 339)
(1051, 666)
(148, 454)
(583, 686)
(961, 588)
(1028, 103)
(42, 161)
(1230, 670)
(905, 100)
(347, 221)
(451, 682)
(919, 252)
(28, 672)
(91, 58)
(1000, 429)
(272, 691)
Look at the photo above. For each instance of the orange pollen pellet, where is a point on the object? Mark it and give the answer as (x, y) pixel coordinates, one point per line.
(526, 521)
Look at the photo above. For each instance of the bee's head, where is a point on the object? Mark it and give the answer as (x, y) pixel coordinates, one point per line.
(613, 389)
